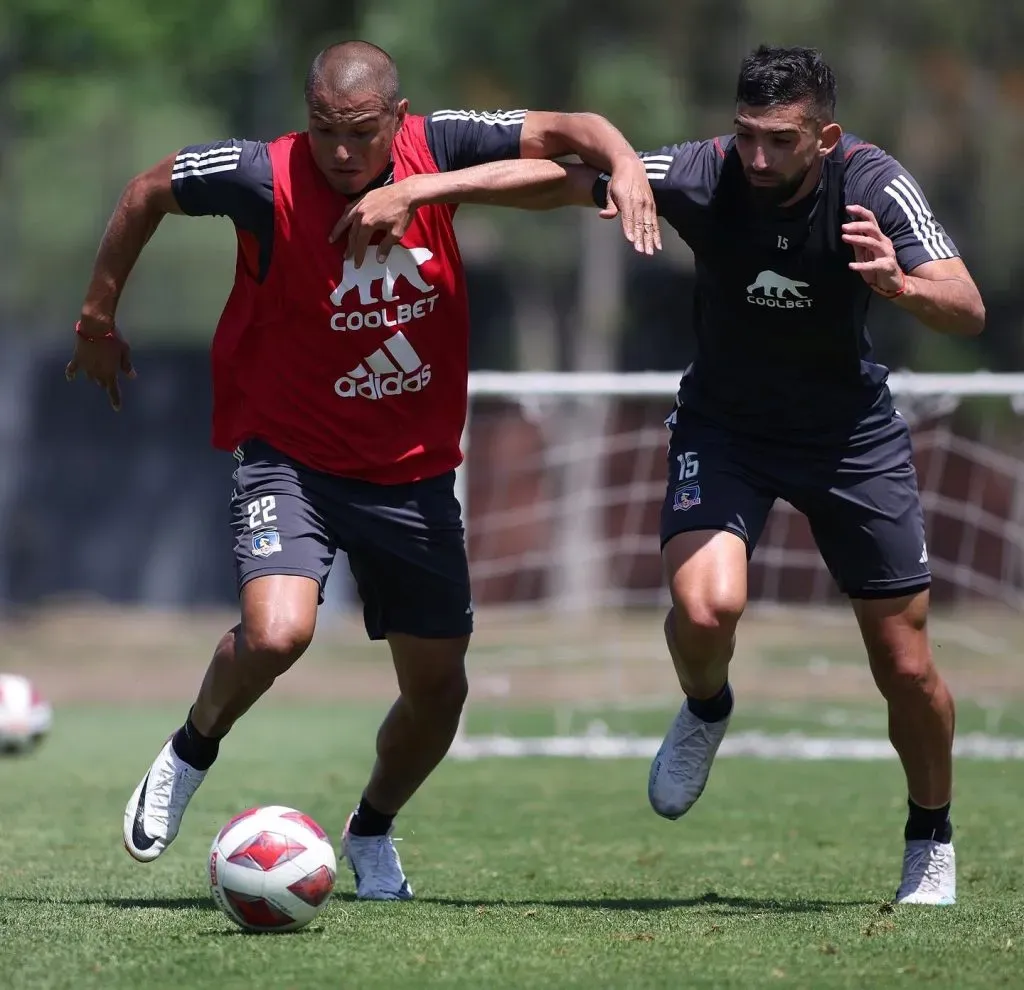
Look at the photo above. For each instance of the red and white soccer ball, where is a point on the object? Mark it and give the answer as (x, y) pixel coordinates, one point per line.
(25, 716)
(272, 869)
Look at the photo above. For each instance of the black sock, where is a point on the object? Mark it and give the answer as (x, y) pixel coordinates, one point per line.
(928, 823)
(369, 821)
(197, 750)
(712, 709)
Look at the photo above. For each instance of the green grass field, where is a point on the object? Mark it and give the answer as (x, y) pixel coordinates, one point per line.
(528, 873)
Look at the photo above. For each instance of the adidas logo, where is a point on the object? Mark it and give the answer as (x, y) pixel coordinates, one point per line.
(392, 369)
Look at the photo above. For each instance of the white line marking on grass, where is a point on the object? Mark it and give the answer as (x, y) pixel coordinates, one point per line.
(761, 745)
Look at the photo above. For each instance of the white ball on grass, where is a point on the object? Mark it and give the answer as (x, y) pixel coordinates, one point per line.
(272, 869)
(25, 716)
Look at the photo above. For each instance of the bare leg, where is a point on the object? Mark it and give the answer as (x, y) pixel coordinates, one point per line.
(921, 725)
(418, 730)
(707, 575)
(278, 619)
(921, 711)
(413, 739)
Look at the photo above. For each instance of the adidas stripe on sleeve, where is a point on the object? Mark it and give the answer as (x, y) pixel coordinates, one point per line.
(462, 138)
(226, 178)
(924, 230)
(879, 182)
(657, 165)
(208, 160)
(681, 176)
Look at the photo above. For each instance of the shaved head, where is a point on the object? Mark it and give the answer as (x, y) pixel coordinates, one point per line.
(355, 112)
(351, 68)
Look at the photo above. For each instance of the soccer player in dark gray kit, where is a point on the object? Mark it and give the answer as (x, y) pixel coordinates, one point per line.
(795, 228)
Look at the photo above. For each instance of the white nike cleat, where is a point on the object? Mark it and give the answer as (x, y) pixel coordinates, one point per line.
(929, 873)
(374, 862)
(153, 815)
(680, 770)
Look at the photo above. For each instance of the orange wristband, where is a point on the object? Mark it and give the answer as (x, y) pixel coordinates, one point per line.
(899, 292)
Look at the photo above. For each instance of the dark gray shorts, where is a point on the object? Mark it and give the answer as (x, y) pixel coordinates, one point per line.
(861, 501)
(405, 543)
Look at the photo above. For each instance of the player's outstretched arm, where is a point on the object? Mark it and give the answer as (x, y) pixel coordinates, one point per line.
(146, 200)
(600, 144)
(230, 178)
(462, 138)
(101, 353)
(531, 184)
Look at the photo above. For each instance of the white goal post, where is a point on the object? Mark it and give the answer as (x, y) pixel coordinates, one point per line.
(561, 384)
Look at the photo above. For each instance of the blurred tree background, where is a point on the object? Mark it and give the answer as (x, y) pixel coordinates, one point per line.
(93, 91)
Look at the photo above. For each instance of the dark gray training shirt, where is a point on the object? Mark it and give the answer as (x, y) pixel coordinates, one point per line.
(782, 346)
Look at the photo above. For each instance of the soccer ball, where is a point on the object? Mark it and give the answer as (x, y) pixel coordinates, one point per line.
(25, 717)
(272, 869)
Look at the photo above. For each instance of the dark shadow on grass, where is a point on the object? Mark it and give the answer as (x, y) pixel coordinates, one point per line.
(710, 901)
(126, 903)
(232, 932)
(165, 903)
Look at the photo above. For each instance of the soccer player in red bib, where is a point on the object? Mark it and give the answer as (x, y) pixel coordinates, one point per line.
(341, 387)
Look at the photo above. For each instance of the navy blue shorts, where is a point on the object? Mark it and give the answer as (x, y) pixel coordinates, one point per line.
(861, 500)
(405, 543)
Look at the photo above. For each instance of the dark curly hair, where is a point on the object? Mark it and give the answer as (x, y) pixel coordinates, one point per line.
(773, 76)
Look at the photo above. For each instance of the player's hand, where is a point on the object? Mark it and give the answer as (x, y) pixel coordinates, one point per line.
(873, 252)
(389, 209)
(630, 198)
(102, 359)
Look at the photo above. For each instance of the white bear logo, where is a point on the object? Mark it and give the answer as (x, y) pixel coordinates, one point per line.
(778, 286)
(402, 262)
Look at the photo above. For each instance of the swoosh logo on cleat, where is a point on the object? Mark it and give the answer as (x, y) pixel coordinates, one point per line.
(139, 837)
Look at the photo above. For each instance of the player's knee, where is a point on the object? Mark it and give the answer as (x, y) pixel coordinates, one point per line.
(451, 692)
(439, 698)
(431, 673)
(275, 643)
(708, 582)
(705, 617)
(902, 670)
(898, 650)
(902, 665)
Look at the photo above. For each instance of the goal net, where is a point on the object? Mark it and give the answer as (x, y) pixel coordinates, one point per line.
(562, 488)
